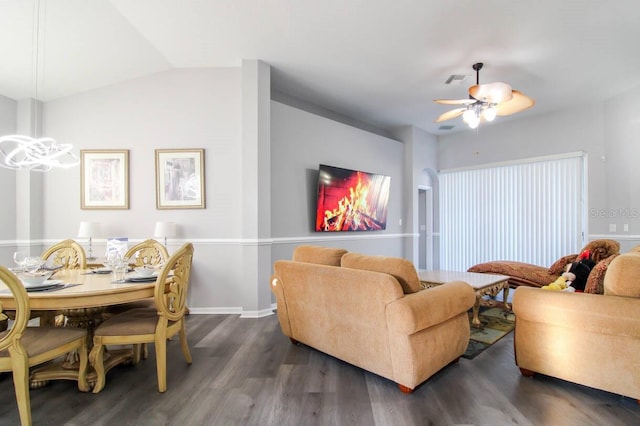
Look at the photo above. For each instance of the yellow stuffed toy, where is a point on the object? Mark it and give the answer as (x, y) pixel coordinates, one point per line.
(558, 285)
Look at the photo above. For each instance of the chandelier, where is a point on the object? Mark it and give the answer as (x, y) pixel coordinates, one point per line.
(37, 154)
(33, 153)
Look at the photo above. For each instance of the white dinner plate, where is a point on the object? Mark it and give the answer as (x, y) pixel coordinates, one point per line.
(134, 278)
(46, 285)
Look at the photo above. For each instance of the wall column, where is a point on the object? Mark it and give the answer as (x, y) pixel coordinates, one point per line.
(256, 187)
(29, 184)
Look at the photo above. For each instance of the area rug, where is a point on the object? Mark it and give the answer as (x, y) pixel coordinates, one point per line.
(496, 323)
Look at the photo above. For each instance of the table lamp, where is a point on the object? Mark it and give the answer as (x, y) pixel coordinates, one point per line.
(89, 230)
(165, 230)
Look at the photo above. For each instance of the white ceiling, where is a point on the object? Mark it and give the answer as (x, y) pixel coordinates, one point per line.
(381, 62)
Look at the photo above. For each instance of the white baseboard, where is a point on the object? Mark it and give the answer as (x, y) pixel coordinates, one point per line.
(232, 311)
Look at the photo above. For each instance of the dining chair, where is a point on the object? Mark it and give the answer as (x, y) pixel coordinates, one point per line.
(22, 347)
(147, 252)
(150, 325)
(67, 253)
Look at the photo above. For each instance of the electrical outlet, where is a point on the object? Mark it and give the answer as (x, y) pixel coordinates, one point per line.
(612, 227)
(626, 227)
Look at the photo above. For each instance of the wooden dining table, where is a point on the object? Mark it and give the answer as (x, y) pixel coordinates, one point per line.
(82, 297)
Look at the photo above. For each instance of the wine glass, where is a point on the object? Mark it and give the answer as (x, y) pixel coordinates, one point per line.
(19, 257)
(32, 264)
(114, 258)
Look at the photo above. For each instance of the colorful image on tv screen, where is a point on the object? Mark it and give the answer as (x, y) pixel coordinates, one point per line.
(350, 200)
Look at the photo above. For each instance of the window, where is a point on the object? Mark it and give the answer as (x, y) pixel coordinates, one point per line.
(532, 211)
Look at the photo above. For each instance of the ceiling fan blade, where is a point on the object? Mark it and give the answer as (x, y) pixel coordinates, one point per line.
(455, 101)
(450, 114)
(519, 102)
(494, 93)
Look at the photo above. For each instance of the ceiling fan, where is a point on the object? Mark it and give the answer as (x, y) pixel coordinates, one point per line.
(485, 102)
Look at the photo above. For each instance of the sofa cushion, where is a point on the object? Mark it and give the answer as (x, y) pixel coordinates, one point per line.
(401, 269)
(622, 278)
(319, 255)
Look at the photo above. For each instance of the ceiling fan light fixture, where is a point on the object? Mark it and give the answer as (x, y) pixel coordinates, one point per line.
(490, 113)
(469, 115)
(472, 116)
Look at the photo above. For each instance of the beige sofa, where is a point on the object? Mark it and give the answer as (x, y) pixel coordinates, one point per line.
(590, 339)
(370, 311)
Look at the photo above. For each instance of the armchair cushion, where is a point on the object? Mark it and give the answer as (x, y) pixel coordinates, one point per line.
(401, 269)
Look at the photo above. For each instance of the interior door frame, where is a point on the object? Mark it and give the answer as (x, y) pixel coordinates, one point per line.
(425, 240)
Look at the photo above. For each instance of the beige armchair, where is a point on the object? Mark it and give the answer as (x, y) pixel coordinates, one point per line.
(590, 339)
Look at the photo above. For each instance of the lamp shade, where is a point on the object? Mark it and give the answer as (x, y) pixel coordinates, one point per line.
(165, 230)
(89, 229)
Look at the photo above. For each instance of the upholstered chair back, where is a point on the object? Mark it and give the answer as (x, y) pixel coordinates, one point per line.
(401, 269)
(319, 255)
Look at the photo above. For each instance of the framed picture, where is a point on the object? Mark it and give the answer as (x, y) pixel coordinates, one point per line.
(180, 178)
(104, 179)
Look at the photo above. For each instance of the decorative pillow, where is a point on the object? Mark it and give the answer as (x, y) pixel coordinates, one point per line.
(401, 269)
(559, 265)
(622, 276)
(320, 255)
(595, 282)
(601, 249)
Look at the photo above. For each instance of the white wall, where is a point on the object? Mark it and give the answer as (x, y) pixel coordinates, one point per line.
(608, 132)
(188, 108)
(300, 141)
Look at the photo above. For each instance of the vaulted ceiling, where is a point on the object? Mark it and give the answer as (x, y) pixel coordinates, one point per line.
(381, 62)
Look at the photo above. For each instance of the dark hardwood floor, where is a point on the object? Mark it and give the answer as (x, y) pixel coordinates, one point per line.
(245, 372)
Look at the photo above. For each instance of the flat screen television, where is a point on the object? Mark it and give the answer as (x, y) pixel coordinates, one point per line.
(351, 200)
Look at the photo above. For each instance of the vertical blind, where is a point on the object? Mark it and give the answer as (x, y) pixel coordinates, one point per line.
(530, 212)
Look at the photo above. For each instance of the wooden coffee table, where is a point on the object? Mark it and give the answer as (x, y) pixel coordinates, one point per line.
(483, 285)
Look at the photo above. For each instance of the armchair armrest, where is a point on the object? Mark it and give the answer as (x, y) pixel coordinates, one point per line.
(421, 310)
(609, 315)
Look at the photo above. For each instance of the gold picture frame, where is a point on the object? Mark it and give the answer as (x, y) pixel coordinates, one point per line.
(180, 179)
(104, 179)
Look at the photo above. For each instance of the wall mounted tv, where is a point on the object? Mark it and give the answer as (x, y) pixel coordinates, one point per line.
(351, 200)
